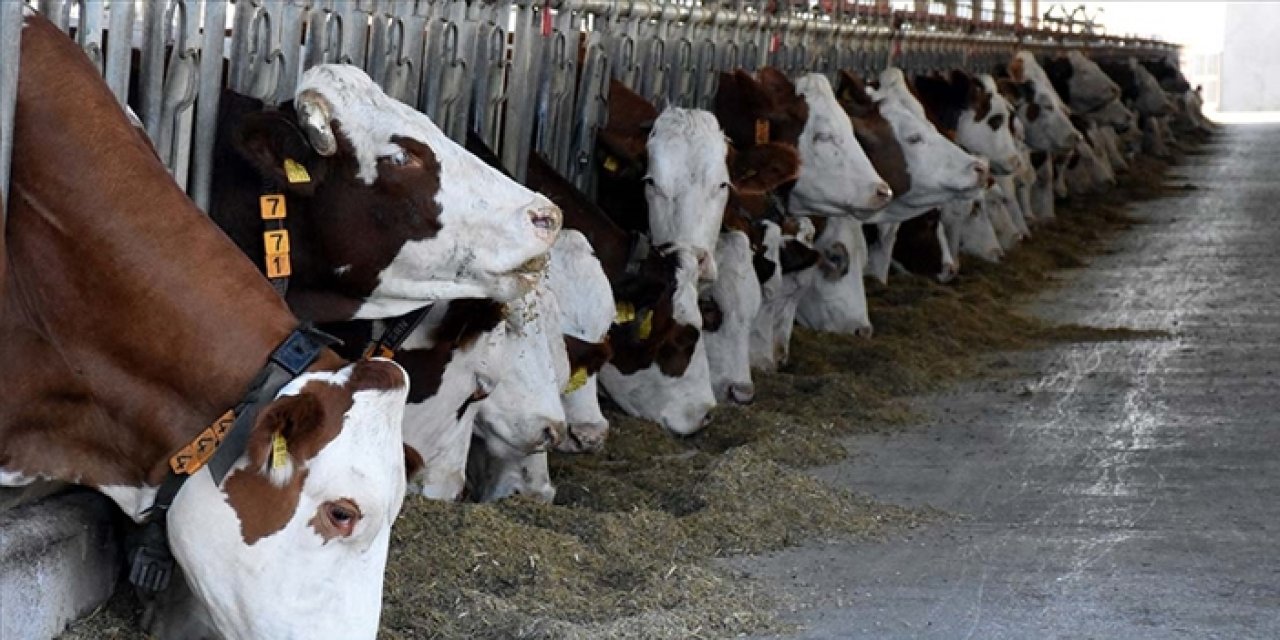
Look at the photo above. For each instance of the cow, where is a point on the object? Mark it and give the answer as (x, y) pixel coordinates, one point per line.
(577, 280)
(524, 403)
(977, 231)
(921, 247)
(797, 262)
(386, 213)
(1089, 170)
(974, 113)
(131, 324)
(940, 170)
(729, 308)
(835, 177)
(1042, 111)
(836, 300)
(664, 173)
(1080, 82)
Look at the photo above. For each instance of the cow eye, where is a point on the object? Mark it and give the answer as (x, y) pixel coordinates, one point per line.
(648, 181)
(915, 139)
(725, 186)
(996, 121)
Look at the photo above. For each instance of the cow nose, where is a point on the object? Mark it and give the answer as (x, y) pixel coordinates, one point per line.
(743, 393)
(983, 170)
(864, 332)
(707, 271)
(883, 193)
(552, 434)
(584, 437)
(546, 219)
(949, 272)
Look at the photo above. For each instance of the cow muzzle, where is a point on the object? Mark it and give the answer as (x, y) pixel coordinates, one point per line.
(315, 115)
(547, 221)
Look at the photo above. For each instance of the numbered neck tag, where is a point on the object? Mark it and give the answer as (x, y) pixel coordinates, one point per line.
(272, 207)
(576, 381)
(762, 131)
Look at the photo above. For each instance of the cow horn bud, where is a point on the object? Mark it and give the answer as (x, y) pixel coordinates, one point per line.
(314, 115)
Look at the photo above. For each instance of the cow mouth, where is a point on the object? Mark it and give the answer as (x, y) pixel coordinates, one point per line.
(533, 266)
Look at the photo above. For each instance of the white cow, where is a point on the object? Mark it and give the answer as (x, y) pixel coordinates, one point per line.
(734, 301)
(836, 301)
(836, 177)
(587, 311)
(1045, 116)
(478, 205)
(687, 184)
(679, 400)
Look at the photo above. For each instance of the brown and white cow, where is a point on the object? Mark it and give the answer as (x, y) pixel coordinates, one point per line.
(386, 213)
(130, 324)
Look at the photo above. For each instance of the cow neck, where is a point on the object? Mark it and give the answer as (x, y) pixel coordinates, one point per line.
(127, 299)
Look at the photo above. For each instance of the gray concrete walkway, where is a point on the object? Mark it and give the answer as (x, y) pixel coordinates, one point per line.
(1120, 490)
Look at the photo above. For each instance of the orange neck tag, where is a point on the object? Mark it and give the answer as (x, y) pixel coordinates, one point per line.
(762, 131)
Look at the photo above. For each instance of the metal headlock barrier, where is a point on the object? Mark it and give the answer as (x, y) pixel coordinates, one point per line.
(519, 73)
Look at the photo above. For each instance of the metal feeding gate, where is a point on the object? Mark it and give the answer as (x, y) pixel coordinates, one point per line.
(515, 72)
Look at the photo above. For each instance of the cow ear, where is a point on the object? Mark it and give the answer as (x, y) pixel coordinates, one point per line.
(797, 256)
(286, 433)
(776, 83)
(764, 167)
(413, 463)
(278, 151)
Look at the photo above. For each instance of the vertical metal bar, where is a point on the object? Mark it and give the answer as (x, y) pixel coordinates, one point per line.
(521, 91)
(120, 20)
(592, 111)
(288, 22)
(241, 33)
(10, 51)
(151, 67)
(58, 12)
(210, 92)
(89, 32)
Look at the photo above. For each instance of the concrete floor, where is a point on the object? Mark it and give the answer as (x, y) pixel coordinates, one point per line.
(1119, 490)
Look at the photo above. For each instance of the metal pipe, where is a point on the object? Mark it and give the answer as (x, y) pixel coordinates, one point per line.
(210, 92)
(10, 50)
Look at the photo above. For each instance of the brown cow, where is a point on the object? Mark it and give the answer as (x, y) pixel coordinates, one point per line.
(130, 324)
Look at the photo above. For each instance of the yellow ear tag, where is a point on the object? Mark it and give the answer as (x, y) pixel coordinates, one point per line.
(279, 451)
(624, 312)
(611, 164)
(646, 326)
(295, 172)
(762, 131)
(576, 381)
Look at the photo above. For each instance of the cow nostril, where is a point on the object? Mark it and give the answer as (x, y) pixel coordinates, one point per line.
(743, 393)
(546, 219)
(864, 332)
(551, 435)
(883, 191)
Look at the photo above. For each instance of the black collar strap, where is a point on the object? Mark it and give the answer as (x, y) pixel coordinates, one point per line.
(220, 445)
(395, 334)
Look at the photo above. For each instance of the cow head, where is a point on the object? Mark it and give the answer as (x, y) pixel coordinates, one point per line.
(965, 105)
(492, 474)
(1089, 170)
(659, 368)
(404, 213)
(940, 170)
(1151, 99)
(587, 311)
(1080, 82)
(1042, 111)
(923, 248)
(729, 307)
(523, 412)
(687, 183)
(977, 231)
(837, 300)
(448, 373)
(303, 520)
(836, 177)
(874, 133)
